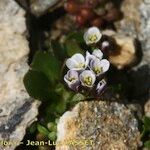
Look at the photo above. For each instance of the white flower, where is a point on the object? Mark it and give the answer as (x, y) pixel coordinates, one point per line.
(72, 79)
(87, 78)
(100, 86)
(98, 53)
(99, 66)
(76, 62)
(92, 35)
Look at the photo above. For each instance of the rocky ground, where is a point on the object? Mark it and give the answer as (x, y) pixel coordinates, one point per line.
(17, 109)
(113, 125)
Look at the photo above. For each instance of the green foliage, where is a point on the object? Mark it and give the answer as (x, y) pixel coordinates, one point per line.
(46, 63)
(72, 47)
(52, 136)
(146, 122)
(59, 50)
(147, 144)
(32, 128)
(146, 132)
(78, 97)
(76, 36)
(42, 130)
(52, 126)
(43, 82)
(37, 85)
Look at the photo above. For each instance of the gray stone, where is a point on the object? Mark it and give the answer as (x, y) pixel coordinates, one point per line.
(17, 109)
(107, 125)
(39, 7)
(136, 23)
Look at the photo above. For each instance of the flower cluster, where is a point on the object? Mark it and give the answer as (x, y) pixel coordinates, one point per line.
(86, 72)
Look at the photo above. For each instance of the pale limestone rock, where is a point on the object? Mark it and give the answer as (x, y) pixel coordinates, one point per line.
(127, 52)
(136, 24)
(17, 109)
(40, 7)
(109, 125)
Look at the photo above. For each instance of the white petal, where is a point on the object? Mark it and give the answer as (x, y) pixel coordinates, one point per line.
(105, 64)
(100, 86)
(72, 73)
(78, 57)
(85, 36)
(66, 80)
(98, 53)
(93, 30)
(70, 63)
(89, 57)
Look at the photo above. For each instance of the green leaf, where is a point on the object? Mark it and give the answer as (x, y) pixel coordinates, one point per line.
(147, 144)
(72, 47)
(52, 126)
(33, 128)
(42, 130)
(77, 36)
(56, 120)
(46, 63)
(75, 99)
(61, 107)
(58, 50)
(146, 122)
(78, 97)
(37, 85)
(52, 136)
(61, 90)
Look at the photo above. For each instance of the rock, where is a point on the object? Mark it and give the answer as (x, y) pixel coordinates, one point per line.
(130, 24)
(105, 125)
(147, 108)
(39, 7)
(136, 24)
(127, 52)
(17, 109)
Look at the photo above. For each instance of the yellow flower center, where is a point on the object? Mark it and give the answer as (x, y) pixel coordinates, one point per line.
(71, 79)
(80, 65)
(88, 80)
(92, 38)
(97, 70)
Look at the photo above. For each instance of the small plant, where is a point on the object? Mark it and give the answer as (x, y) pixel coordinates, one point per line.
(86, 73)
(85, 76)
(146, 132)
